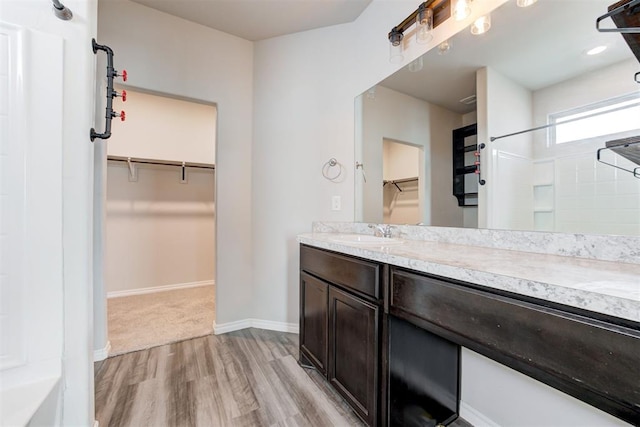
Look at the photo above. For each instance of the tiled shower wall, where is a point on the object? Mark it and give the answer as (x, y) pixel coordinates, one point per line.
(579, 194)
(595, 197)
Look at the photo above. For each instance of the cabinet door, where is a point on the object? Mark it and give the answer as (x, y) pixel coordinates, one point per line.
(353, 351)
(314, 321)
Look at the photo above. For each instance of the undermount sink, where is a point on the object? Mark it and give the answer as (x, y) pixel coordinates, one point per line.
(365, 239)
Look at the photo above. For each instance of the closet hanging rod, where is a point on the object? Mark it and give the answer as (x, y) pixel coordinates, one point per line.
(161, 162)
(400, 181)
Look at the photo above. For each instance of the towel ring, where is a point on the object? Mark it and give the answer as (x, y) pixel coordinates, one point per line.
(326, 169)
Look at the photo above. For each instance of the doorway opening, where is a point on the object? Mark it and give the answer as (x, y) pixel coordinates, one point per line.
(402, 202)
(159, 210)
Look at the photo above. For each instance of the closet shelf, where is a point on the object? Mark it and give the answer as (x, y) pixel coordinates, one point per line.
(138, 160)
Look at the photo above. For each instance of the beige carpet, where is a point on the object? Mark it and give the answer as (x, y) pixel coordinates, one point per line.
(141, 321)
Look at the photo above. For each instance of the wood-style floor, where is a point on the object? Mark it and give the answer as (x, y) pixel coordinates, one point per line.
(243, 378)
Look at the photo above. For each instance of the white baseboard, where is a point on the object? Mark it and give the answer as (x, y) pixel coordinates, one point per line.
(103, 353)
(475, 417)
(223, 328)
(150, 290)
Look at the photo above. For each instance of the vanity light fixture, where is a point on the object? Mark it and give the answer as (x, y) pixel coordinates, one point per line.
(481, 25)
(525, 3)
(461, 9)
(426, 17)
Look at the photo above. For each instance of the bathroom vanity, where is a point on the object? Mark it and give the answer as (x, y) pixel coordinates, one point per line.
(385, 321)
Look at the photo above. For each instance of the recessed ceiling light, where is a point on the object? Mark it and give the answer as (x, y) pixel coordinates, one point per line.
(596, 50)
(469, 100)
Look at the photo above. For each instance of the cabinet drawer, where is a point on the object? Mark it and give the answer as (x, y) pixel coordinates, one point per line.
(570, 352)
(352, 273)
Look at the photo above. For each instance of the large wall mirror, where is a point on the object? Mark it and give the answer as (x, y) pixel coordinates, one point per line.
(535, 66)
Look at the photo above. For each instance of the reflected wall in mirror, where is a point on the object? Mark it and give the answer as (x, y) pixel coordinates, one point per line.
(529, 70)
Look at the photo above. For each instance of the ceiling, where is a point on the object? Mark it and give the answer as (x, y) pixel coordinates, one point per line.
(536, 47)
(262, 19)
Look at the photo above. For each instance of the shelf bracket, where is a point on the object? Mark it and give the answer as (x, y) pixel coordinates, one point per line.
(133, 171)
(183, 174)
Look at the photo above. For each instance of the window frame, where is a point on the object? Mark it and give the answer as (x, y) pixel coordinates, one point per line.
(554, 120)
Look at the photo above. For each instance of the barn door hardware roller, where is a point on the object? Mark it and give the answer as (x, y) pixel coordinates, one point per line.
(111, 93)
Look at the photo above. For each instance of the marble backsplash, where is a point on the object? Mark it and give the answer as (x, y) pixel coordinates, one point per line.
(601, 247)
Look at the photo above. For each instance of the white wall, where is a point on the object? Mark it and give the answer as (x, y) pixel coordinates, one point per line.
(163, 128)
(507, 197)
(169, 55)
(396, 116)
(159, 232)
(444, 206)
(399, 160)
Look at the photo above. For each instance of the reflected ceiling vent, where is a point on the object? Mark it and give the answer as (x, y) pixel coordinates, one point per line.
(469, 100)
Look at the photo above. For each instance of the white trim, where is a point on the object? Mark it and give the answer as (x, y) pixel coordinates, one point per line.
(275, 326)
(255, 323)
(150, 290)
(96, 423)
(475, 417)
(102, 353)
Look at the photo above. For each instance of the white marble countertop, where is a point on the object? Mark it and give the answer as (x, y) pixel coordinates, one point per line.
(607, 287)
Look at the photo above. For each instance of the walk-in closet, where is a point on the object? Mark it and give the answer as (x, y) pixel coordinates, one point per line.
(159, 217)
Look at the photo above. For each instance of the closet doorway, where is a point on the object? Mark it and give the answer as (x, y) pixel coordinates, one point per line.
(401, 178)
(160, 222)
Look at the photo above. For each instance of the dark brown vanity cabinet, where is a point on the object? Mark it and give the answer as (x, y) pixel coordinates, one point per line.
(314, 321)
(340, 320)
(353, 351)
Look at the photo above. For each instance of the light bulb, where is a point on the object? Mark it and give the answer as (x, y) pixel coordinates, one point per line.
(461, 9)
(444, 47)
(525, 3)
(395, 47)
(424, 25)
(416, 65)
(481, 25)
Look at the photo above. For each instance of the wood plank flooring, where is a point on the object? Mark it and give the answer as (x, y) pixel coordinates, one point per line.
(244, 378)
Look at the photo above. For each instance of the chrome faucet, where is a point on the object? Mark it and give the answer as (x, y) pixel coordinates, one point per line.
(381, 230)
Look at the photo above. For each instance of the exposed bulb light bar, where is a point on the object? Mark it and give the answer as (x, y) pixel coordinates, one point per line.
(426, 17)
